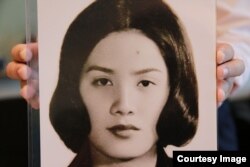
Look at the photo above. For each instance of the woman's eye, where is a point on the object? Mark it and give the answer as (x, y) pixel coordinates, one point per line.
(102, 82)
(145, 83)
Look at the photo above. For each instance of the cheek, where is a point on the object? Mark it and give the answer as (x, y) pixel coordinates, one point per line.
(98, 114)
(149, 116)
(93, 100)
(97, 104)
(155, 102)
(153, 107)
(96, 107)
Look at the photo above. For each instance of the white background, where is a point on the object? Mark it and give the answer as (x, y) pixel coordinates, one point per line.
(54, 18)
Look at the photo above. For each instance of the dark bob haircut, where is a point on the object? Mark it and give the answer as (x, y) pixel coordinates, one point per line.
(178, 120)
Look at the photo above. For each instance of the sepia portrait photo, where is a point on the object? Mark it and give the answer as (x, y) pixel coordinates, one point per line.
(123, 83)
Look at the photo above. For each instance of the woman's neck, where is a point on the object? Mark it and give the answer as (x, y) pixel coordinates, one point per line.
(148, 159)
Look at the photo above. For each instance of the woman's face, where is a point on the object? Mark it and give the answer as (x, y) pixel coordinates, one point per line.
(124, 87)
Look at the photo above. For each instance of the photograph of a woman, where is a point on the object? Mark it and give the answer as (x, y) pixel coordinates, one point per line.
(127, 86)
(124, 83)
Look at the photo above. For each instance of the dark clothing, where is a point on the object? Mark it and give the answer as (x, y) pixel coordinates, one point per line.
(82, 158)
(241, 113)
(227, 135)
(162, 159)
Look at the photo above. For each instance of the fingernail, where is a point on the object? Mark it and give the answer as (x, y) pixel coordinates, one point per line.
(26, 54)
(221, 57)
(22, 73)
(225, 72)
(222, 95)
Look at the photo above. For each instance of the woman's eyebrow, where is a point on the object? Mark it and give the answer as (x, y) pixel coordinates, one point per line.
(147, 70)
(99, 68)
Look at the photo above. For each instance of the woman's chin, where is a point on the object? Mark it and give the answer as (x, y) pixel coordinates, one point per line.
(124, 153)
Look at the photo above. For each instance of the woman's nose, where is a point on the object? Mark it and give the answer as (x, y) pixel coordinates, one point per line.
(123, 103)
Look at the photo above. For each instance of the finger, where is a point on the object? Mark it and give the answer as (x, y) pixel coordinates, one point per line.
(33, 47)
(34, 103)
(29, 91)
(221, 72)
(230, 69)
(220, 97)
(224, 89)
(224, 53)
(30, 88)
(18, 71)
(21, 53)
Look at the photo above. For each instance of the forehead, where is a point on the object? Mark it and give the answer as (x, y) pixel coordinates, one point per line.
(131, 48)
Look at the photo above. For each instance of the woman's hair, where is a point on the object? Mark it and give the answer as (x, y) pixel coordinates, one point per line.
(178, 120)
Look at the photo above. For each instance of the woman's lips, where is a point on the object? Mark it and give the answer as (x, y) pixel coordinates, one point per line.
(123, 131)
